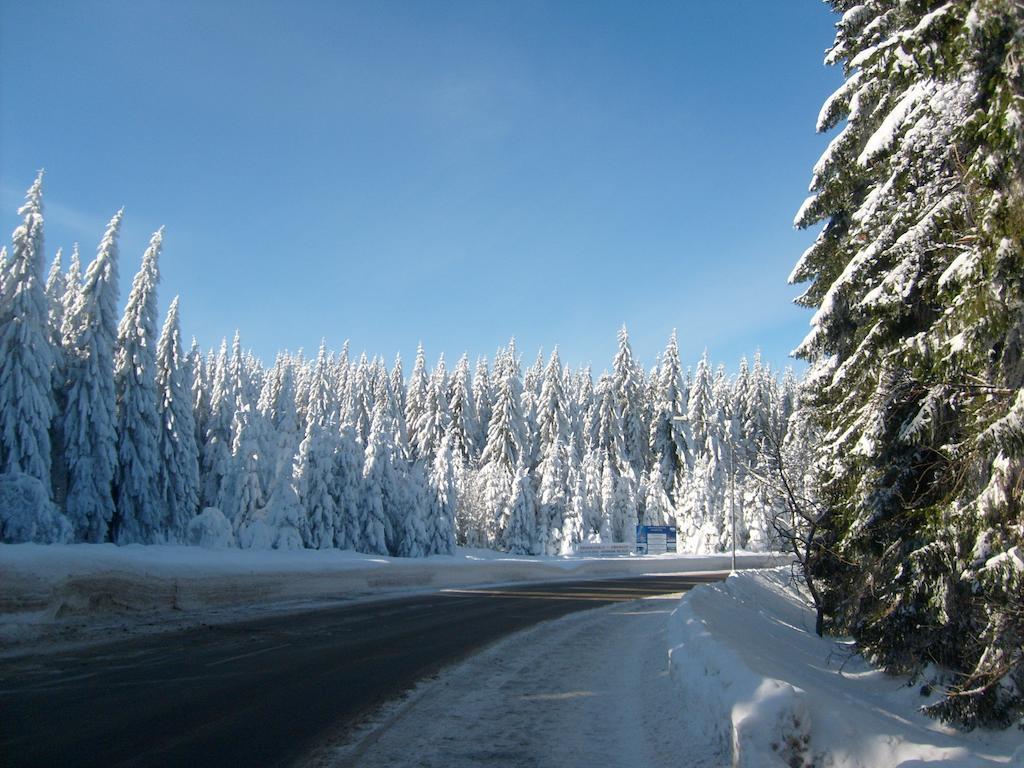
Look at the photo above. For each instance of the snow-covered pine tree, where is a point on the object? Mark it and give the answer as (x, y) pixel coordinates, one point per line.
(245, 498)
(483, 400)
(315, 466)
(916, 343)
(505, 433)
(576, 511)
(552, 409)
(701, 406)
(553, 498)
(216, 453)
(416, 396)
(378, 490)
(138, 516)
(463, 430)
(26, 352)
(670, 447)
(56, 287)
(72, 293)
(628, 386)
(658, 507)
(350, 489)
(88, 424)
(200, 391)
(410, 507)
(444, 501)
(505, 448)
(589, 503)
(178, 454)
(434, 417)
(359, 410)
(519, 535)
(398, 387)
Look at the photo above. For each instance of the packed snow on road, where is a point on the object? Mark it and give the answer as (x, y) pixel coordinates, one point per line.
(731, 674)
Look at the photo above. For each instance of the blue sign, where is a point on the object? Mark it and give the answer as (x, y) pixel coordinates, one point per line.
(655, 539)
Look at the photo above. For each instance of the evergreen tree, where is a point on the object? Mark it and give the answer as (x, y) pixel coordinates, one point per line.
(56, 287)
(378, 490)
(483, 400)
(553, 499)
(434, 417)
(628, 388)
(349, 486)
(463, 431)
(519, 533)
(444, 501)
(701, 406)
(71, 297)
(244, 498)
(26, 352)
(416, 396)
(315, 467)
(552, 408)
(216, 453)
(138, 517)
(398, 386)
(577, 510)
(178, 462)
(589, 502)
(506, 440)
(915, 345)
(669, 444)
(88, 426)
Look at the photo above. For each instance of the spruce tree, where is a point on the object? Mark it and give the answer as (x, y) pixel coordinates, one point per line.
(89, 421)
(56, 287)
(178, 454)
(670, 447)
(519, 535)
(444, 501)
(315, 466)
(434, 418)
(416, 396)
(26, 351)
(628, 387)
(138, 517)
(483, 400)
(378, 490)
(217, 440)
(915, 345)
(463, 430)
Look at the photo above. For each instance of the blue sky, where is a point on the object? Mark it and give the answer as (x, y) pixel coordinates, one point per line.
(451, 172)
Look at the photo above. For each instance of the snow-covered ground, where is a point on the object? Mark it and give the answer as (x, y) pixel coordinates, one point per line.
(769, 692)
(731, 676)
(86, 591)
(590, 689)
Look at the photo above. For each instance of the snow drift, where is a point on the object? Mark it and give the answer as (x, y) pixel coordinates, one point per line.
(771, 693)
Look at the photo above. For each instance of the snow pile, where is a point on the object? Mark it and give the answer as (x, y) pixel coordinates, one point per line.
(772, 693)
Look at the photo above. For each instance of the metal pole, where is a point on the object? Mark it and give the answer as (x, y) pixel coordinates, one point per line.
(732, 498)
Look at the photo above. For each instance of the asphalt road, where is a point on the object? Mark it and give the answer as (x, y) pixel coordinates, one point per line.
(264, 692)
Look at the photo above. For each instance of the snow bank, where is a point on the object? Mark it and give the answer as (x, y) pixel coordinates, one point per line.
(48, 588)
(772, 693)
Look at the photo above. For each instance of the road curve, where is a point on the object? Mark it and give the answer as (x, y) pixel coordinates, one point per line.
(265, 691)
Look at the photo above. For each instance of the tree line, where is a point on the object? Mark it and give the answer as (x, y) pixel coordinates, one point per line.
(112, 431)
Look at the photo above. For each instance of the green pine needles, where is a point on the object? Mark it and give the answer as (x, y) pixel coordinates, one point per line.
(917, 346)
